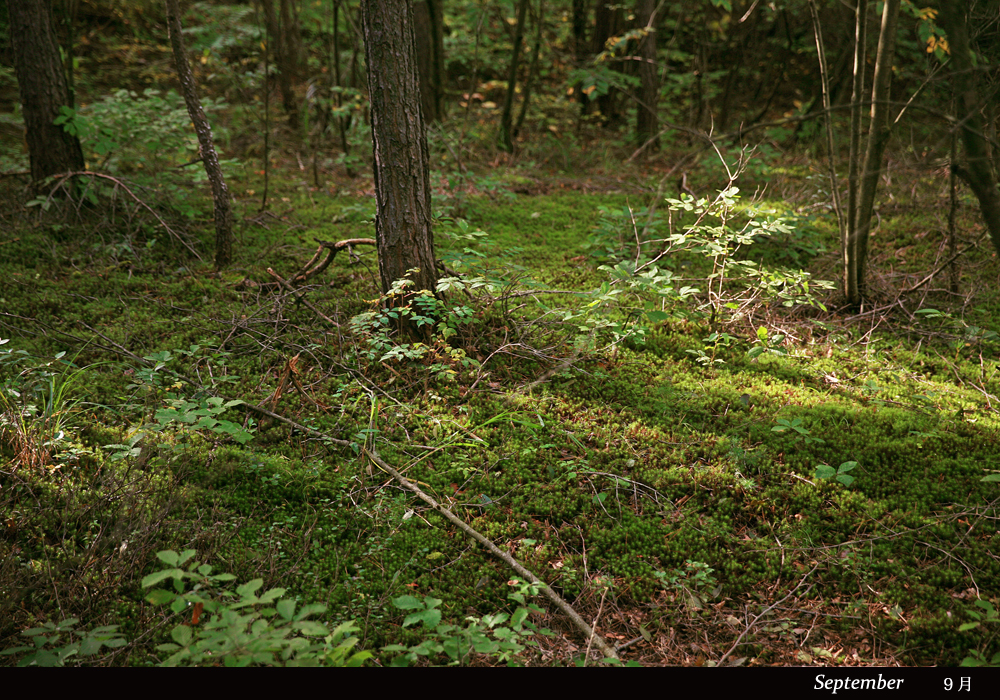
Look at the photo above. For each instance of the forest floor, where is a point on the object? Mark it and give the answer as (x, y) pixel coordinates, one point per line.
(697, 445)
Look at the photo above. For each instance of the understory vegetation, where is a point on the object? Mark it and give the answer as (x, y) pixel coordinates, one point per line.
(658, 403)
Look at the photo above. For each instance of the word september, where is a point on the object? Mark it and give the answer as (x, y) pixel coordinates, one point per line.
(835, 684)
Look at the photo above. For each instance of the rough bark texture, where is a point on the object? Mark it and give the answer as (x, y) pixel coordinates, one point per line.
(647, 123)
(429, 34)
(402, 182)
(977, 170)
(43, 88)
(878, 139)
(220, 193)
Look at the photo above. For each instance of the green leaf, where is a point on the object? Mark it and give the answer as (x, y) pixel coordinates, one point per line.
(181, 634)
(286, 608)
(408, 602)
(160, 597)
(430, 617)
(168, 557)
(155, 578)
(249, 588)
(824, 471)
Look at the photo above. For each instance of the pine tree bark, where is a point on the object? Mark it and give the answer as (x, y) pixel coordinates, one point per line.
(209, 156)
(43, 88)
(402, 181)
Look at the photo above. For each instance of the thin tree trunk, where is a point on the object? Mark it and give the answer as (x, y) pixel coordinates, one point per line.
(878, 138)
(505, 140)
(609, 21)
(220, 193)
(857, 117)
(284, 55)
(532, 70)
(580, 52)
(824, 74)
(977, 170)
(429, 33)
(647, 121)
(402, 181)
(42, 84)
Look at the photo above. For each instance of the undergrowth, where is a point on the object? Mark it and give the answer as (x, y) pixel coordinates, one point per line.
(650, 406)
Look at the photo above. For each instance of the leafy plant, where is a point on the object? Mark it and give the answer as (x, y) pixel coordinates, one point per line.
(240, 627)
(48, 647)
(696, 583)
(765, 343)
(987, 613)
(825, 471)
(379, 329)
(36, 404)
(795, 425)
(501, 636)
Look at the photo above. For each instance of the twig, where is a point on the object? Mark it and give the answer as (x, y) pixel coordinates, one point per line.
(301, 297)
(87, 173)
(762, 613)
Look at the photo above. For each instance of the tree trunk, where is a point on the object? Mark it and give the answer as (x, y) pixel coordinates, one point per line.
(647, 123)
(283, 31)
(854, 155)
(532, 70)
(220, 193)
(878, 138)
(581, 51)
(977, 170)
(506, 140)
(429, 33)
(402, 182)
(609, 21)
(43, 88)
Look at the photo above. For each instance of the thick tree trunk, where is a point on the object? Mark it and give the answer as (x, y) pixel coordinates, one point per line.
(43, 88)
(878, 139)
(647, 122)
(506, 140)
(220, 193)
(429, 33)
(402, 182)
(977, 170)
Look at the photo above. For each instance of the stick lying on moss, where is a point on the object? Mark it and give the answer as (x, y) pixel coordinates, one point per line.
(573, 615)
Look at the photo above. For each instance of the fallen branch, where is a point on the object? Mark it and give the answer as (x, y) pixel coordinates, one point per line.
(581, 624)
(311, 269)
